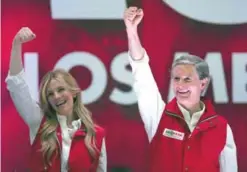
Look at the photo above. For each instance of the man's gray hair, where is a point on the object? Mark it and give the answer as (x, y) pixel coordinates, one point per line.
(201, 67)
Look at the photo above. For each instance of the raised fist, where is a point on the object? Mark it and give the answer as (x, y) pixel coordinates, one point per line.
(132, 17)
(24, 35)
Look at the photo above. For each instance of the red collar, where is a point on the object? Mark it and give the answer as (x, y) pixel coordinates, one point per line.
(173, 109)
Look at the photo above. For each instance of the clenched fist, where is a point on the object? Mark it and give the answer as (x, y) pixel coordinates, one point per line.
(132, 17)
(24, 35)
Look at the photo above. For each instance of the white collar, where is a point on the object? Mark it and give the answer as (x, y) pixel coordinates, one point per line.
(193, 119)
(63, 122)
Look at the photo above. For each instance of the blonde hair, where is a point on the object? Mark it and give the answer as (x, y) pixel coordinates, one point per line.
(48, 130)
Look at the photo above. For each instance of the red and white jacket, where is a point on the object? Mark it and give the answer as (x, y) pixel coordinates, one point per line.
(79, 159)
(178, 142)
(31, 113)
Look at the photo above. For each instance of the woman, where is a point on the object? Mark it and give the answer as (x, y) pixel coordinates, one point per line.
(62, 133)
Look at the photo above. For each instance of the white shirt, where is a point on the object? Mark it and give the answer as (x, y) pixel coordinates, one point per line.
(151, 107)
(32, 115)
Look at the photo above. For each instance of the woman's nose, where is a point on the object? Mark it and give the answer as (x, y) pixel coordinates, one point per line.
(56, 95)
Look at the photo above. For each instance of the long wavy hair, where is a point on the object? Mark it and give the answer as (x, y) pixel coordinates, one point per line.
(49, 139)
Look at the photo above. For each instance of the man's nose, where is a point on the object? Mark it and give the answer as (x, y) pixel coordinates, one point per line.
(180, 84)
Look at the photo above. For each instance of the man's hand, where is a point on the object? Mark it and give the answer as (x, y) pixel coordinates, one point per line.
(132, 17)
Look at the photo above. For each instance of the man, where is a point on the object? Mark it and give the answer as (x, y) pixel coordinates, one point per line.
(186, 134)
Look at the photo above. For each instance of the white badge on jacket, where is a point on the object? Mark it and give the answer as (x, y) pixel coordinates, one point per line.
(173, 134)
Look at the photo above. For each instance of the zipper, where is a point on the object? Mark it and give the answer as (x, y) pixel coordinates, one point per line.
(173, 114)
(59, 145)
(178, 116)
(208, 119)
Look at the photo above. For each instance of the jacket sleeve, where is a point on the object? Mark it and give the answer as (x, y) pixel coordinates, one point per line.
(26, 106)
(102, 167)
(228, 156)
(149, 99)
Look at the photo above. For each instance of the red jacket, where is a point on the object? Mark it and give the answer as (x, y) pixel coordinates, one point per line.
(79, 157)
(175, 149)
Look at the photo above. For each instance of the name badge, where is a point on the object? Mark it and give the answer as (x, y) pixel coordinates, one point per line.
(173, 134)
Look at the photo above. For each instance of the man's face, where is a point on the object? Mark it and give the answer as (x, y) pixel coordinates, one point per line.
(186, 85)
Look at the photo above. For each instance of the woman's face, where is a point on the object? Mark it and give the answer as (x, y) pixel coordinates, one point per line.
(60, 97)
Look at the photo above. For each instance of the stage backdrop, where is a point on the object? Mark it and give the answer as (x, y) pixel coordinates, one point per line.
(88, 38)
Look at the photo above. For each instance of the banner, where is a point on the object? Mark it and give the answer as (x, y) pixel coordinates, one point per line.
(88, 38)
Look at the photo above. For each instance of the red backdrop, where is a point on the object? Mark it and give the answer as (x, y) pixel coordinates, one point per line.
(164, 33)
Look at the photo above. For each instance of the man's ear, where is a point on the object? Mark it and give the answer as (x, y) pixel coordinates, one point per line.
(204, 82)
(204, 85)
